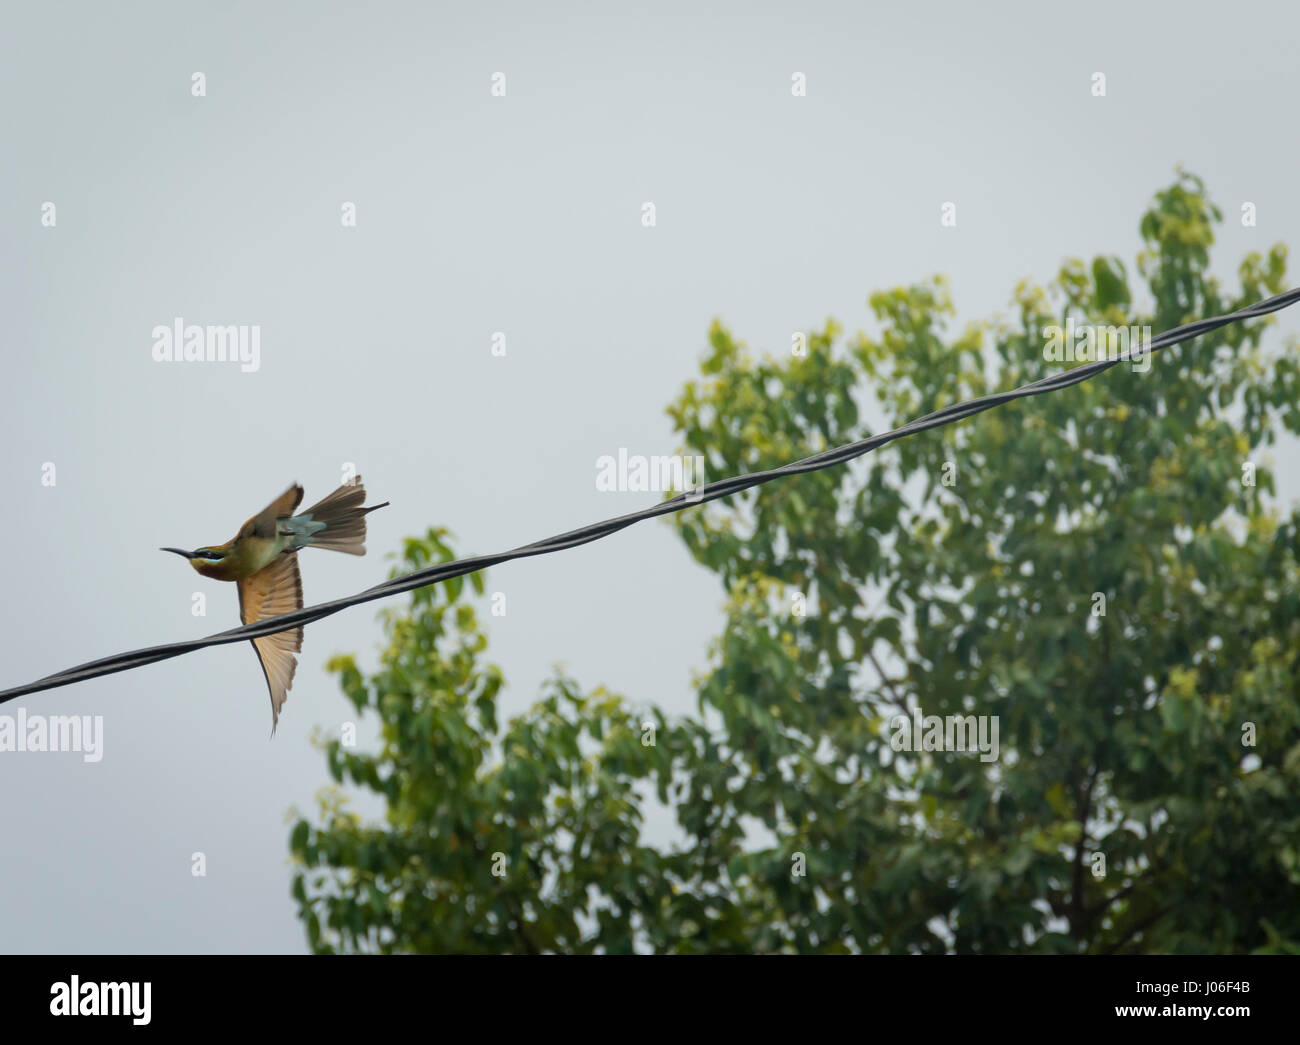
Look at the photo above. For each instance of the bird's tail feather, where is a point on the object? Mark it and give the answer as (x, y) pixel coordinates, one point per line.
(338, 521)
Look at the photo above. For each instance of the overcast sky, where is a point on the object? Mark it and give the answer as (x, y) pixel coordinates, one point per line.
(477, 214)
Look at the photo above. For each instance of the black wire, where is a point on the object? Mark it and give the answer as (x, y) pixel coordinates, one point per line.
(595, 531)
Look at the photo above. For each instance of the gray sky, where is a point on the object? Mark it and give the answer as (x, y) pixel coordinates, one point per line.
(478, 214)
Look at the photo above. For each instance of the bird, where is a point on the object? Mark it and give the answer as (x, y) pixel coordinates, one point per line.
(262, 559)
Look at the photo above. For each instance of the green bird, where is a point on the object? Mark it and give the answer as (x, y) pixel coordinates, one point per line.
(262, 558)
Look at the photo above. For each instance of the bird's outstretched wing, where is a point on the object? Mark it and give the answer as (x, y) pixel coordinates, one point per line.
(264, 523)
(273, 590)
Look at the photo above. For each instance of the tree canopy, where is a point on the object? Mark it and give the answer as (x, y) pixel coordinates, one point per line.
(1101, 571)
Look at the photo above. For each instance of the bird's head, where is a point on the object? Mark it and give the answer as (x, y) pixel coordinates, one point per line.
(208, 561)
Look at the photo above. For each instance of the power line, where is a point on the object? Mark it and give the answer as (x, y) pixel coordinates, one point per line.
(595, 531)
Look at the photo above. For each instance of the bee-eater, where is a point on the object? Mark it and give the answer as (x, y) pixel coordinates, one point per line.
(262, 559)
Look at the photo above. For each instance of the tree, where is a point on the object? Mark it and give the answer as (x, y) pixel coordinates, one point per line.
(1097, 570)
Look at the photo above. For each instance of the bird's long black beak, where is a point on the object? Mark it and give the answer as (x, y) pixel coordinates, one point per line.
(178, 551)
